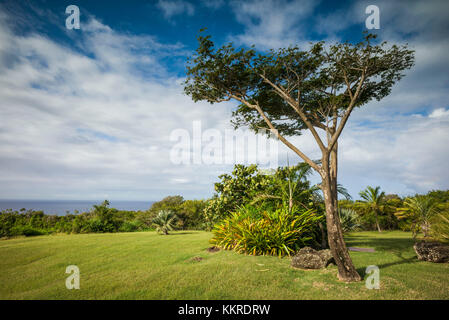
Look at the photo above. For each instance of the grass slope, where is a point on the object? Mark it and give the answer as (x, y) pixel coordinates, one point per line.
(146, 265)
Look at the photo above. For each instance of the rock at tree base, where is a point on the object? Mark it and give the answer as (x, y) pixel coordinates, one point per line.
(432, 251)
(308, 258)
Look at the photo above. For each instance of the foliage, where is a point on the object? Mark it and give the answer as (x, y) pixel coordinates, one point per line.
(289, 186)
(164, 221)
(316, 78)
(190, 213)
(439, 229)
(349, 219)
(98, 220)
(256, 232)
(419, 210)
(373, 200)
(235, 190)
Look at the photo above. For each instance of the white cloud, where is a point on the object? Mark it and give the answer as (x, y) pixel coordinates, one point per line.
(270, 23)
(177, 7)
(78, 125)
(439, 113)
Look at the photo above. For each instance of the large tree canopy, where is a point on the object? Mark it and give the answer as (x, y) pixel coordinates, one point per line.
(289, 90)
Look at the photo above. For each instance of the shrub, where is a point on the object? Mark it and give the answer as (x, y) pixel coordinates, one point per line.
(27, 231)
(164, 221)
(439, 229)
(349, 219)
(265, 232)
(131, 226)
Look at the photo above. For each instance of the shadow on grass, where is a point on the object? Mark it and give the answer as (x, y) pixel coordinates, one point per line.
(385, 245)
(402, 260)
(380, 244)
(178, 233)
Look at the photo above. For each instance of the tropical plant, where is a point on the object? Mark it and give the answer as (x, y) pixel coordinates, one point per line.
(373, 199)
(289, 186)
(233, 191)
(439, 228)
(256, 232)
(420, 210)
(349, 219)
(164, 221)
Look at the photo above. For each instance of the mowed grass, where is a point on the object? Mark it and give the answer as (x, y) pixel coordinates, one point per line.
(146, 265)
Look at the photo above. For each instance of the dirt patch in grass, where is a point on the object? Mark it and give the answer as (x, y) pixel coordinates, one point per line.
(213, 249)
(196, 259)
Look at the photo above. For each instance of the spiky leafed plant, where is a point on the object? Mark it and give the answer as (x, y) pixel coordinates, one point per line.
(420, 210)
(292, 187)
(348, 219)
(164, 221)
(373, 200)
(439, 228)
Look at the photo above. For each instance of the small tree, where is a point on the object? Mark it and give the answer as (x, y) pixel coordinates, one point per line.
(290, 90)
(420, 210)
(373, 200)
(164, 221)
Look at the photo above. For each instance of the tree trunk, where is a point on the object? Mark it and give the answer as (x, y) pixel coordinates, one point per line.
(337, 245)
(377, 221)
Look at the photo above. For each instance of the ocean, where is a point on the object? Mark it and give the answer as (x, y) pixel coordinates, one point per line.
(60, 207)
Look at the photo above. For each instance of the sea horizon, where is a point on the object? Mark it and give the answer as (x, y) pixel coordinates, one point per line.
(63, 207)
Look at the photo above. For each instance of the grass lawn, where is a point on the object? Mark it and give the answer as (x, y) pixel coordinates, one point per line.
(146, 265)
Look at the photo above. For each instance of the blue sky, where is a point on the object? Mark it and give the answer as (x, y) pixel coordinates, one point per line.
(88, 113)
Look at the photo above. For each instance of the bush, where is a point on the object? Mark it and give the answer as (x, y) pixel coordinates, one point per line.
(27, 231)
(439, 229)
(131, 226)
(349, 219)
(265, 232)
(164, 221)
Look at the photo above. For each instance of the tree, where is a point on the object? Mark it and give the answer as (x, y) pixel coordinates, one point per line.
(287, 91)
(164, 221)
(289, 186)
(419, 210)
(373, 200)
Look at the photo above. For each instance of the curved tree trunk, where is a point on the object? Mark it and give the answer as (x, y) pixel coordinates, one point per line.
(337, 245)
(377, 221)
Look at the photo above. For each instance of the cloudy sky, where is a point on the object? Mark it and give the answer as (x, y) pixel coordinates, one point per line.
(88, 113)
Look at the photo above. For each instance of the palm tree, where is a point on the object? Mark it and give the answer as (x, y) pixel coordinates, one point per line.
(292, 186)
(164, 221)
(420, 209)
(373, 200)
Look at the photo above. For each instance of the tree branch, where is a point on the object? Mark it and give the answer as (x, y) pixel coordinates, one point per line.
(293, 104)
(276, 132)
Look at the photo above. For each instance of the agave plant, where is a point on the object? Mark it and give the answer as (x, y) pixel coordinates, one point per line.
(349, 219)
(164, 221)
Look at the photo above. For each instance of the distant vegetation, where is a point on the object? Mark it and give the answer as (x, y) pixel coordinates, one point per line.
(254, 212)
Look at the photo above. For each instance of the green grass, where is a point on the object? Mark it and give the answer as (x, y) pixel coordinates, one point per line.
(146, 265)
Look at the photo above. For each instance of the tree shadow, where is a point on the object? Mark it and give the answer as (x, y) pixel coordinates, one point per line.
(380, 244)
(179, 233)
(395, 246)
(402, 260)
